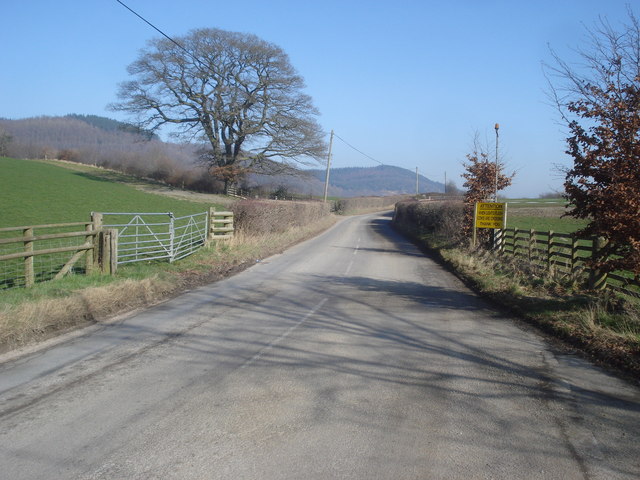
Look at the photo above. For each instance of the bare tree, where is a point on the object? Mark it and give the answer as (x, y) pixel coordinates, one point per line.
(236, 93)
(599, 100)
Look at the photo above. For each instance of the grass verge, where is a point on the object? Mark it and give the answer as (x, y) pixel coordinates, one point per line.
(31, 315)
(603, 325)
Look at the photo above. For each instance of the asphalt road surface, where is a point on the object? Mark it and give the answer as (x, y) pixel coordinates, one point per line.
(350, 356)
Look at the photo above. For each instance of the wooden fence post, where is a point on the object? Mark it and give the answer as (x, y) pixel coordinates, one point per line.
(515, 242)
(89, 254)
(113, 246)
(96, 219)
(597, 278)
(574, 253)
(550, 260)
(532, 241)
(211, 216)
(108, 251)
(29, 277)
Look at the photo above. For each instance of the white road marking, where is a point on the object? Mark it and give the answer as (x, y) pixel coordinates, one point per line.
(285, 334)
(348, 268)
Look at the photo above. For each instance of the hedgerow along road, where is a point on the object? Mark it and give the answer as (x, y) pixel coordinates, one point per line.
(350, 356)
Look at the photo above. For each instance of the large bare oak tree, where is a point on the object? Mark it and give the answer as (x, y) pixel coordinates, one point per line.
(236, 93)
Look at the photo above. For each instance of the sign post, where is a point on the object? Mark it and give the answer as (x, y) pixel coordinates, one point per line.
(489, 215)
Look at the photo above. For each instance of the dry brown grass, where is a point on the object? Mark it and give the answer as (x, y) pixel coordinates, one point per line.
(37, 320)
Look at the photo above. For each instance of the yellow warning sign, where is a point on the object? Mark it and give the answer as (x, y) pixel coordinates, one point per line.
(490, 215)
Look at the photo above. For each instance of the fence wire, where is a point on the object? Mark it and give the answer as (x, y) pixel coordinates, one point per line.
(13, 272)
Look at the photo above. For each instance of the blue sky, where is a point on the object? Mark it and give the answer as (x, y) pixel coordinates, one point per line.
(407, 82)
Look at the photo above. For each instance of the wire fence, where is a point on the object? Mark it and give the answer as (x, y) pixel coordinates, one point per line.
(37, 253)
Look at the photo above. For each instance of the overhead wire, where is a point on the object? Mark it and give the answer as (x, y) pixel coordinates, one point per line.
(362, 153)
(354, 148)
(197, 60)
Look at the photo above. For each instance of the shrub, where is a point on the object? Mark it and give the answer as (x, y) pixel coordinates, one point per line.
(444, 220)
(273, 216)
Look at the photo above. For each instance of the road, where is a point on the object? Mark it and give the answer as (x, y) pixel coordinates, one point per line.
(350, 356)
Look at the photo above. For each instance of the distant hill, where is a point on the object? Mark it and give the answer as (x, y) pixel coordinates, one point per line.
(352, 182)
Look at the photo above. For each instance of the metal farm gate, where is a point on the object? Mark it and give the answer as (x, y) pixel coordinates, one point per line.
(156, 236)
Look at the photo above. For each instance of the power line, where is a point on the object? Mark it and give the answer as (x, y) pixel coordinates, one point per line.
(159, 31)
(360, 152)
(333, 134)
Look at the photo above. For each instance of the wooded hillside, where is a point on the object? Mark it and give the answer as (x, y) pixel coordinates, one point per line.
(108, 143)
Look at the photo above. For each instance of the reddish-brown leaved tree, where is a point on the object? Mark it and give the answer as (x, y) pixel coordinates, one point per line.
(601, 105)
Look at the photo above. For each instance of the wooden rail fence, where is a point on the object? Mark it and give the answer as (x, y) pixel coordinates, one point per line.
(20, 245)
(566, 254)
(220, 225)
(33, 253)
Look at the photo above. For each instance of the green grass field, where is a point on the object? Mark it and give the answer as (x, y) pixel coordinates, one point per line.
(542, 215)
(37, 192)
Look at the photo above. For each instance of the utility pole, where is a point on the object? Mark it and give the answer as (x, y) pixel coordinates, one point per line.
(326, 180)
(496, 192)
(417, 189)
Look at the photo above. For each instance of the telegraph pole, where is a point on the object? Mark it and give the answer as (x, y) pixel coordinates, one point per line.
(326, 180)
(496, 193)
